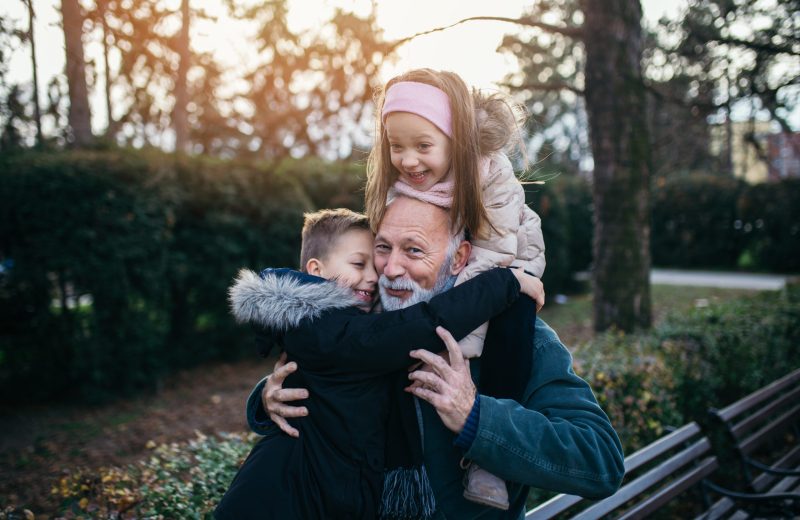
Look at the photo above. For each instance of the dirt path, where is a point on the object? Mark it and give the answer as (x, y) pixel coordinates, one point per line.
(37, 444)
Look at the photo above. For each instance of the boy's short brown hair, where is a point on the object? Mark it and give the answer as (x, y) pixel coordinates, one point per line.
(321, 230)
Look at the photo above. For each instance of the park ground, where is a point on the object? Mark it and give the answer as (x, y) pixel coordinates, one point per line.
(39, 444)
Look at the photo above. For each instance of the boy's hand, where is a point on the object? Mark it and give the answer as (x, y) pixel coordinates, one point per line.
(531, 286)
(274, 395)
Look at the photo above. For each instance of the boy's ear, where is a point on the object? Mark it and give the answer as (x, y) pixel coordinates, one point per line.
(461, 257)
(314, 266)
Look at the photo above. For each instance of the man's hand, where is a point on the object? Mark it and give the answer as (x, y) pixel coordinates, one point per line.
(274, 395)
(448, 387)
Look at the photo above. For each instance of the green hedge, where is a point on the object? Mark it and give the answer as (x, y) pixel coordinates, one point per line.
(769, 216)
(694, 222)
(116, 263)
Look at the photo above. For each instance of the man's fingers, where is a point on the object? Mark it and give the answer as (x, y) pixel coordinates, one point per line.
(428, 395)
(439, 365)
(456, 358)
(284, 395)
(284, 410)
(284, 426)
(282, 371)
(427, 379)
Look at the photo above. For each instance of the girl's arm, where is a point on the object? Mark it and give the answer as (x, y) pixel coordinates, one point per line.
(349, 341)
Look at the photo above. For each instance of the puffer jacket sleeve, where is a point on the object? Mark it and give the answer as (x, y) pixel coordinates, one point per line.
(530, 242)
(377, 343)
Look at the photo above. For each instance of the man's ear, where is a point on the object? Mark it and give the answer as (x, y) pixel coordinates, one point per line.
(314, 266)
(461, 257)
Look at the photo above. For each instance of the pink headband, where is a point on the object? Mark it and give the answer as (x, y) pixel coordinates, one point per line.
(421, 99)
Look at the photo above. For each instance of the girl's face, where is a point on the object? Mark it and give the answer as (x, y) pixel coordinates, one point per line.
(419, 150)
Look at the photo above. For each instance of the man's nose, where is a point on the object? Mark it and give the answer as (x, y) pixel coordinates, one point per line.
(394, 266)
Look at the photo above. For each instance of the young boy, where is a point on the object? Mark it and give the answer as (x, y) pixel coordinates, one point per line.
(358, 454)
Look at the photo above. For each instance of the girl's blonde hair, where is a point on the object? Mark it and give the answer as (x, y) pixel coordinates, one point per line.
(481, 124)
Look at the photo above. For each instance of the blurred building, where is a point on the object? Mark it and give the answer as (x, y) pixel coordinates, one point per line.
(748, 142)
(784, 155)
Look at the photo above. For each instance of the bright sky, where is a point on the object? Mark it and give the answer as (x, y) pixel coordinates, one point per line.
(469, 49)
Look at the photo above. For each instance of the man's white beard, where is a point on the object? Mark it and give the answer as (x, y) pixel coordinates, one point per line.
(444, 281)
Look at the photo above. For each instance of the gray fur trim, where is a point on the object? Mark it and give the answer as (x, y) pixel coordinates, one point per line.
(282, 302)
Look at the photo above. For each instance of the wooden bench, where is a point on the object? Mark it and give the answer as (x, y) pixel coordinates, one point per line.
(764, 428)
(656, 474)
(666, 469)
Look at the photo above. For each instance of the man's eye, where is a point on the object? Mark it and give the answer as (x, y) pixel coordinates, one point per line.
(414, 250)
(381, 248)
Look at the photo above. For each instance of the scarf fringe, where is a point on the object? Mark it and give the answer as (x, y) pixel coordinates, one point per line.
(407, 495)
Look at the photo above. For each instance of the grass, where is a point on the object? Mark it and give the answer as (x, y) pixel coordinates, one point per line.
(573, 319)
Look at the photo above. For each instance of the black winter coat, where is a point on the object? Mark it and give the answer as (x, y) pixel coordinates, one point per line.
(346, 358)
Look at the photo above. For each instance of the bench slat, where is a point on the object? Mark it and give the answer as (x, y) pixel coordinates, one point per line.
(748, 445)
(747, 402)
(761, 482)
(719, 508)
(676, 487)
(556, 505)
(561, 503)
(646, 481)
(747, 424)
(660, 446)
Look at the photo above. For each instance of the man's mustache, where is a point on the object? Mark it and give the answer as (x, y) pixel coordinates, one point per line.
(398, 284)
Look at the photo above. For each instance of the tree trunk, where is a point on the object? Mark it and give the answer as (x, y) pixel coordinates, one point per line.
(37, 111)
(615, 105)
(111, 128)
(179, 117)
(79, 114)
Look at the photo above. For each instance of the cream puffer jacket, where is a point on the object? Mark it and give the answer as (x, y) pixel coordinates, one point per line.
(514, 239)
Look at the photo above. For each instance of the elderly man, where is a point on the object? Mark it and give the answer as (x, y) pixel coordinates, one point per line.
(558, 438)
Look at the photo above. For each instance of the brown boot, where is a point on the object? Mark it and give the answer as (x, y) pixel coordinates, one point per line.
(485, 488)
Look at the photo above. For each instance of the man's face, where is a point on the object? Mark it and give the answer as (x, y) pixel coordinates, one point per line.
(411, 253)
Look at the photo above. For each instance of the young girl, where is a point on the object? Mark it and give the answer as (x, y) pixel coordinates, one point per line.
(440, 142)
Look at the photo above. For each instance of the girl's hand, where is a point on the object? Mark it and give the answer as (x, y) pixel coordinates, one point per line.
(530, 286)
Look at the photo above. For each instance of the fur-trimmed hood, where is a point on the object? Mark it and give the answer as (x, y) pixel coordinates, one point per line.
(279, 299)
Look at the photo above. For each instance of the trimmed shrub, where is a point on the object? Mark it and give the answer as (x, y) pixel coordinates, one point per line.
(694, 222)
(178, 480)
(633, 385)
(720, 353)
(769, 216)
(116, 264)
(564, 204)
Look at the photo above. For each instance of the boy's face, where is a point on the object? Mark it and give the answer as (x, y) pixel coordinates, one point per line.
(350, 264)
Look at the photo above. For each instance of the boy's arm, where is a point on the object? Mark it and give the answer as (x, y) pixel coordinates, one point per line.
(381, 342)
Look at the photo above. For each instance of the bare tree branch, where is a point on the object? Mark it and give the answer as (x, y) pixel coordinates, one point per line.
(571, 31)
(549, 86)
(759, 46)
